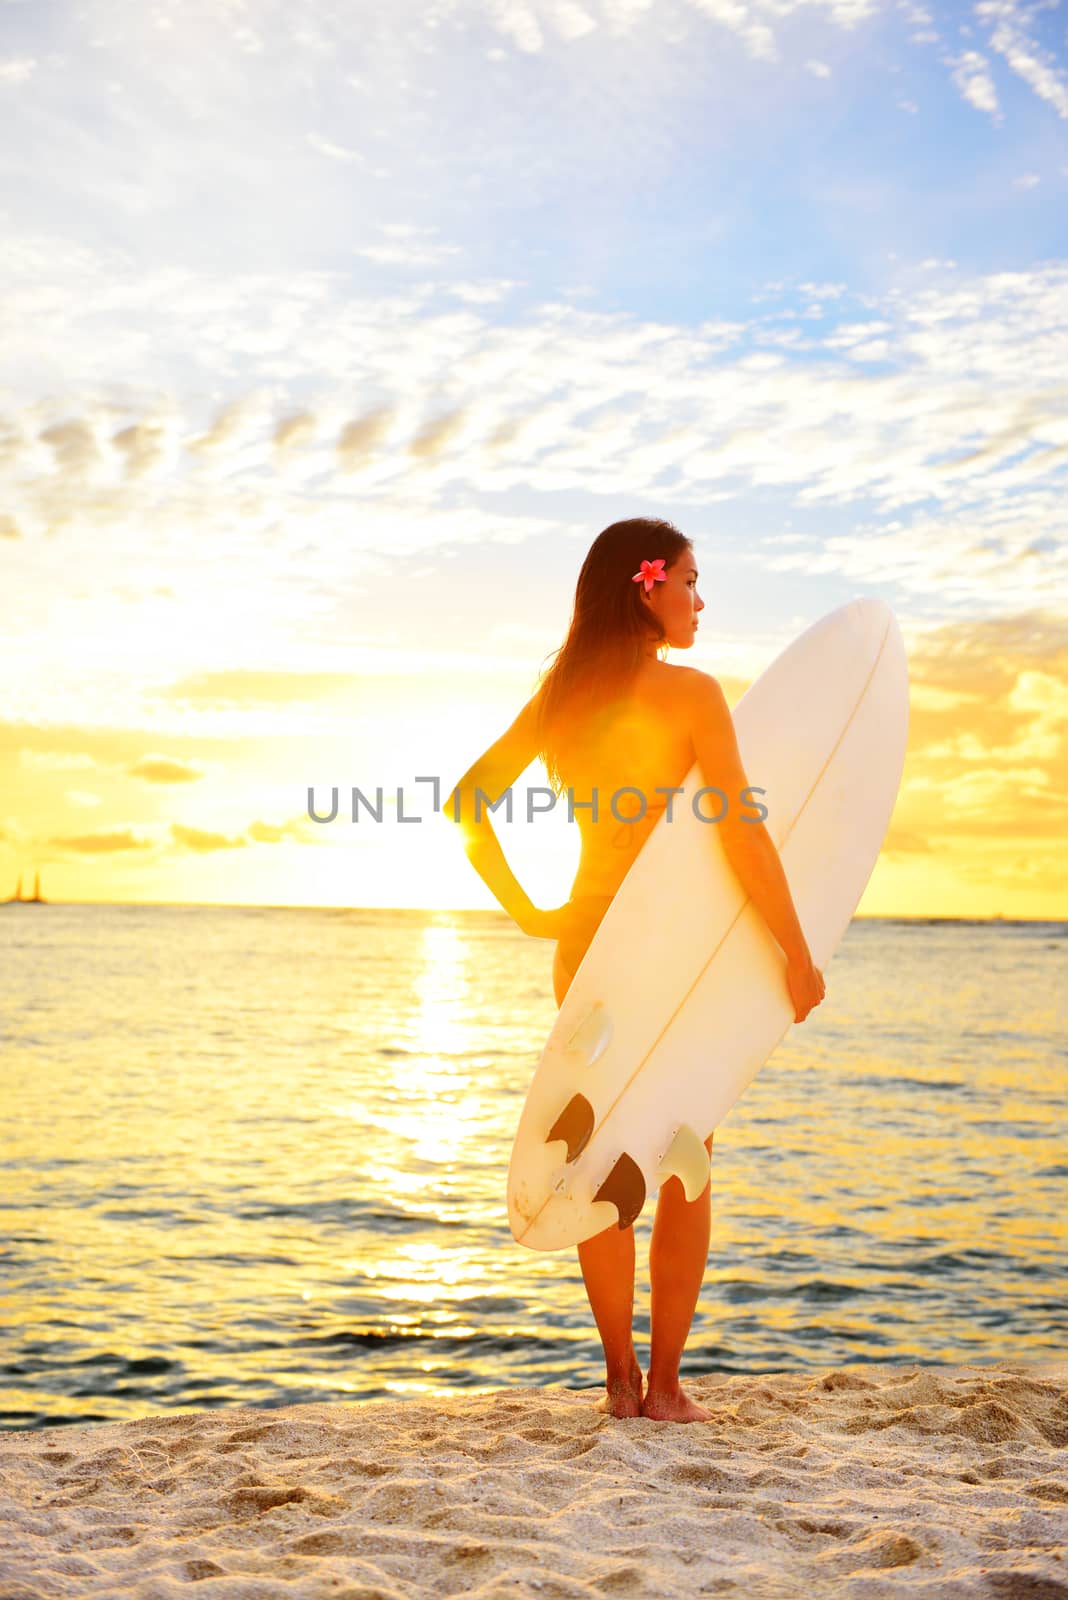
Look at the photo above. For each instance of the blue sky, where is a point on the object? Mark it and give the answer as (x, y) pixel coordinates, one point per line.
(331, 338)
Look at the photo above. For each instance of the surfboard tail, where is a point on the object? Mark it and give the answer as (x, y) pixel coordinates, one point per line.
(686, 1159)
(624, 1187)
(591, 1038)
(574, 1126)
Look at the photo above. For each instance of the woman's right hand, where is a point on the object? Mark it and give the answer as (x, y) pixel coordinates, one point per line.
(806, 986)
(547, 924)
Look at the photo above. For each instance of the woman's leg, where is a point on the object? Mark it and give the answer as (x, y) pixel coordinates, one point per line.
(607, 1262)
(678, 1253)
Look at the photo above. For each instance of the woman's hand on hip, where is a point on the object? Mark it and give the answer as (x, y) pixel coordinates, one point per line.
(546, 924)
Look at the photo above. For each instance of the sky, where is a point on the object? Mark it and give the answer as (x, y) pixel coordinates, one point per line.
(332, 335)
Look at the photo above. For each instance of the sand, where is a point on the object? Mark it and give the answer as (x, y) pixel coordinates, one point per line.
(867, 1481)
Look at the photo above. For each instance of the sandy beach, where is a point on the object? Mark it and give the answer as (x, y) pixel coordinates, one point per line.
(879, 1481)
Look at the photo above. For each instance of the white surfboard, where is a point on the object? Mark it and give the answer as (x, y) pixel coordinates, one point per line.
(682, 994)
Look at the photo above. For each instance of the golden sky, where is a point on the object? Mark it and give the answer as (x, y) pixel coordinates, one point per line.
(216, 812)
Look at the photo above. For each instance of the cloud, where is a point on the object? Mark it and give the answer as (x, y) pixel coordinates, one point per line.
(518, 22)
(971, 76)
(17, 70)
(208, 411)
(336, 152)
(924, 428)
(571, 398)
(743, 20)
(74, 446)
(926, 697)
(531, 27)
(161, 769)
(234, 424)
(982, 787)
(920, 18)
(293, 431)
(1043, 700)
(988, 734)
(1011, 39)
(409, 245)
(144, 445)
(31, 755)
(432, 439)
(359, 439)
(898, 842)
(271, 833)
(200, 842)
(110, 842)
(482, 294)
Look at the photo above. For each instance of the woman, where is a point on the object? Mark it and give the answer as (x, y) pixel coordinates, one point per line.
(608, 715)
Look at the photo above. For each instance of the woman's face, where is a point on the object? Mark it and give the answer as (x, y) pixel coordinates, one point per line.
(676, 603)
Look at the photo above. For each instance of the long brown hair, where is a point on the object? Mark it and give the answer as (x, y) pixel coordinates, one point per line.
(607, 637)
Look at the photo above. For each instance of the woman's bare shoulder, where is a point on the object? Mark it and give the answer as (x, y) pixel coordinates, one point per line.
(691, 696)
(674, 678)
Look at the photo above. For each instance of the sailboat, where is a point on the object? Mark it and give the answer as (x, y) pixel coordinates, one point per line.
(20, 899)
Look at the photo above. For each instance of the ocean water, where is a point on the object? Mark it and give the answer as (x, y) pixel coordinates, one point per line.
(258, 1156)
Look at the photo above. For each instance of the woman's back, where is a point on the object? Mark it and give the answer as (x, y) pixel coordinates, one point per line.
(642, 742)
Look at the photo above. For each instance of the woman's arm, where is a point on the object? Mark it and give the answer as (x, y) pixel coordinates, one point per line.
(748, 846)
(498, 767)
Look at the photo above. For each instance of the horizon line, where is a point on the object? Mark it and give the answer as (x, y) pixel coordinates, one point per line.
(495, 911)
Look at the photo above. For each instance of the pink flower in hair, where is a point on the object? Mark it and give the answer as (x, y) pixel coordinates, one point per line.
(651, 572)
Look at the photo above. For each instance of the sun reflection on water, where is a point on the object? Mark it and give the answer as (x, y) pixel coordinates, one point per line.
(435, 1117)
(442, 1108)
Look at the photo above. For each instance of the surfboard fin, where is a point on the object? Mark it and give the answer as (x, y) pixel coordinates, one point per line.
(592, 1036)
(575, 1124)
(625, 1188)
(686, 1158)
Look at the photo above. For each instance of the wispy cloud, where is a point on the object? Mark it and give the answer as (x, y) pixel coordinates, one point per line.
(336, 152)
(971, 75)
(940, 409)
(110, 841)
(164, 770)
(278, 833)
(17, 70)
(1010, 36)
(998, 326)
(202, 841)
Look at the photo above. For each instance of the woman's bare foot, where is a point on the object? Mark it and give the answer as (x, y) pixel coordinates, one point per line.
(624, 1396)
(672, 1405)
